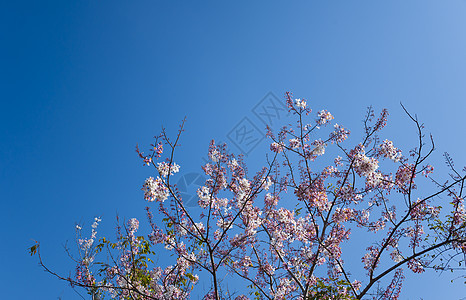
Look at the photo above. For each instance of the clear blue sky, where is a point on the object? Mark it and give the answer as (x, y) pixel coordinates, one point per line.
(83, 82)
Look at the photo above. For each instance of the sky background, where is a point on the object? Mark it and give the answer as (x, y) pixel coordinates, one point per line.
(83, 82)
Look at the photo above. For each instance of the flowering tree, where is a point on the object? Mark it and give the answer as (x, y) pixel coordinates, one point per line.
(284, 231)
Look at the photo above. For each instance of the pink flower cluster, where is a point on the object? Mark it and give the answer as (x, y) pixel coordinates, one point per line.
(324, 117)
(155, 189)
(363, 165)
(389, 151)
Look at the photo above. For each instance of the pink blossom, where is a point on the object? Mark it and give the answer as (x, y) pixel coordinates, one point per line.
(276, 147)
(339, 134)
(155, 189)
(300, 103)
(387, 150)
(364, 165)
(324, 117)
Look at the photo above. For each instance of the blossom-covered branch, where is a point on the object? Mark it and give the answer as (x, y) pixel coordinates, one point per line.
(285, 232)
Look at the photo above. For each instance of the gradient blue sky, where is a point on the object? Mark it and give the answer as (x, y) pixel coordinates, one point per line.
(83, 82)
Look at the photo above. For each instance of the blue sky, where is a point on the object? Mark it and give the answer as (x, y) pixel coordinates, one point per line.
(83, 82)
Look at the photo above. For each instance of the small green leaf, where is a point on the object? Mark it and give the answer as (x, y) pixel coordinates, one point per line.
(33, 249)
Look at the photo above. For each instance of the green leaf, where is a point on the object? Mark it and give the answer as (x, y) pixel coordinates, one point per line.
(33, 249)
